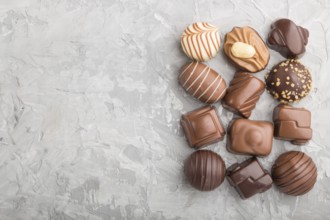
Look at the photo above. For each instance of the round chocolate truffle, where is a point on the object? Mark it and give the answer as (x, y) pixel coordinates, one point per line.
(294, 173)
(289, 81)
(205, 170)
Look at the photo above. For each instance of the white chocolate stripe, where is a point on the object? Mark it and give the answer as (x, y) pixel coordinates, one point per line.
(214, 90)
(209, 87)
(191, 73)
(185, 69)
(200, 74)
(220, 95)
(205, 77)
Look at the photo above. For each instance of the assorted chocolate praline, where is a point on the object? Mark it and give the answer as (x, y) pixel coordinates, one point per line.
(293, 172)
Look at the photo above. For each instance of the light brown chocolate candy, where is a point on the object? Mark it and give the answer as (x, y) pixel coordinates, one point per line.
(202, 127)
(245, 48)
(243, 94)
(202, 82)
(250, 137)
(292, 124)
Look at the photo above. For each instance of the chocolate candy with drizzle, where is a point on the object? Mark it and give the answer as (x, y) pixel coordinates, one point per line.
(202, 82)
(201, 41)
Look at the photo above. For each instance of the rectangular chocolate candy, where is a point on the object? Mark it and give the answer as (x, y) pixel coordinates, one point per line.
(202, 127)
(243, 94)
(292, 124)
(249, 178)
(250, 137)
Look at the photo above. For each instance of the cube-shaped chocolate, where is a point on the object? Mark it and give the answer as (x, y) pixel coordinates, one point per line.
(249, 178)
(250, 137)
(292, 124)
(243, 94)
(202, 127)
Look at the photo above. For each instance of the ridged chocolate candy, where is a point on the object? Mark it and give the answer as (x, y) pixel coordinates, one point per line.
(205, 170)
(294, 173)
(201, 41)
(202, 82)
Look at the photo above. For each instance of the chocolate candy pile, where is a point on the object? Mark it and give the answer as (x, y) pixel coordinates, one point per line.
(289, 81)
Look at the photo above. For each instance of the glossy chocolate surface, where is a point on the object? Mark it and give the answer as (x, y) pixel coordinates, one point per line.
(202, 127)
(294, 173)
(249, 178)
(289, 81)
(248, 36)
(250, 137)
(287, 38)
(202, 82)
(243, 94)
(292, 124)
(205, 170)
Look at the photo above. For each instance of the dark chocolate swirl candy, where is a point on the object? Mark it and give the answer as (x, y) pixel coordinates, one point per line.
(287, 38)
(294, 173)
(205, 170)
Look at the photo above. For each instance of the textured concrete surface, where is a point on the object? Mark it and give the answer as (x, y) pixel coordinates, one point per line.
(90, 108)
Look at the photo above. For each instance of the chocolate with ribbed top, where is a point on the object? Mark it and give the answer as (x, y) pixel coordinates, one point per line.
(205, 170)
(294, 173)
(243, 94)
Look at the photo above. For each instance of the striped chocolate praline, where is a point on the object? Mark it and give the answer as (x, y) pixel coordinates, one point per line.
(294, 173)
(202, 82)
(200, 41)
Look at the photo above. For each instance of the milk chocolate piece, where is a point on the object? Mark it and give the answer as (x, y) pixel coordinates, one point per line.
(202, 127)
(202, 82)
(289, 81)
(294, 173)
(292, 124)
(287, 38)
(250, 137)
(205, 170)
(250, 38)
(243, 94)
(249, 178)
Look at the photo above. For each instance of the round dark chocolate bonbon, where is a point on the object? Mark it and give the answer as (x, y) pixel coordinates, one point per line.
(294, 173)
(289, 81)
(205, 170)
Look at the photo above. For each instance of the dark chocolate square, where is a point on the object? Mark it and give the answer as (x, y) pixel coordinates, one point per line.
(249, 178)
(202, 127)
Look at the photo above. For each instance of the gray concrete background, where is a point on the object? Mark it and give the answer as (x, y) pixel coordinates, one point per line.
(90, 109)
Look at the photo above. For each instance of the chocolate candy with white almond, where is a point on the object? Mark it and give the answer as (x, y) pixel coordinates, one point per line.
(246, 49)
(243, 94)
(292, 124)
(287, 38)
(250, 137)
(202, 127)
(289, 81)
(202, 82)
(205, 170)
(249, 178)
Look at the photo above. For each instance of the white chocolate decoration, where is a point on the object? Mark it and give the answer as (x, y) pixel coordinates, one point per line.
(201, 41)
(242, 50)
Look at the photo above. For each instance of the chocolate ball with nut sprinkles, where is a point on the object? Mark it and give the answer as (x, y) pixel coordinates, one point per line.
(289, 81)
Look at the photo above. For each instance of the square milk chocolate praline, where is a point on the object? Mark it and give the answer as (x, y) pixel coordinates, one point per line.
(292, 124)
(249, 178)
(250, 137)
(202, 127)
